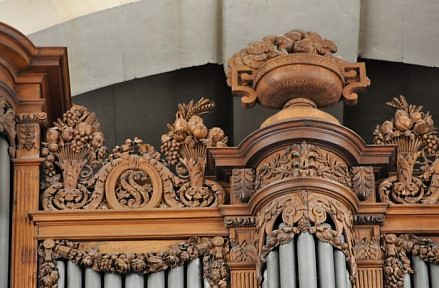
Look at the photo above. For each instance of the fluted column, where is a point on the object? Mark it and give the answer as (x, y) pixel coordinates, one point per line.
(26, 200)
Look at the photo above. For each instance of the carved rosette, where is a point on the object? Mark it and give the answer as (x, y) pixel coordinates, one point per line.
(306, 212)
(297, 64)
(302, 160)
(414, 134)
(211, 250)
(7, 123)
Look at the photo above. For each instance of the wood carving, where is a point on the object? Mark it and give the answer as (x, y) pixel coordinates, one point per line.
(288, 63)
(243, 183)
(368, 219)
(415, 135)
(7, 123)
(363, 181)
(240, 221)
(212, 250)
(302, 160)
(368, 249)
(397, 263)
(306, 212)
(78, 174)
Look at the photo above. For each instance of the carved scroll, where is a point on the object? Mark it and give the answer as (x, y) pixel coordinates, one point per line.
(302, 160)
(7, 124)
(306, 212)
(78, 174)
(397, 263)
(212, 251)
(415, 135)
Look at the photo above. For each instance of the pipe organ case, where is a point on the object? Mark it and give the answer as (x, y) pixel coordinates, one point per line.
(301, 202)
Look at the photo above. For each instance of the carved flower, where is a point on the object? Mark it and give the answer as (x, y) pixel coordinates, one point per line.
(98, 140)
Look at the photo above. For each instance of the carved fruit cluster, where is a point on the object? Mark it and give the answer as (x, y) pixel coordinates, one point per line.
(409, 121)
(189, 129)
(295, 41)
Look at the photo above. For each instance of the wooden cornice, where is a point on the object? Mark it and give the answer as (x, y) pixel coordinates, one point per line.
(37, 78)
(337, 138)
(129, 225)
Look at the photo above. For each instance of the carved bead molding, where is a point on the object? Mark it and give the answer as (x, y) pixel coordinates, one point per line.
(243, 183)
(7, 124)
(212, 251)
(414, 134)
(78, 174)
(306, 212)
(294, 51)
(396, 261)
(302, 160)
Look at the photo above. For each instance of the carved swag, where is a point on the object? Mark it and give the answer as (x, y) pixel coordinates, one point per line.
(212, 251)
(78, 174)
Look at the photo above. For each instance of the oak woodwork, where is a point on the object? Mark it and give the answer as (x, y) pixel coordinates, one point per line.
(145, 209)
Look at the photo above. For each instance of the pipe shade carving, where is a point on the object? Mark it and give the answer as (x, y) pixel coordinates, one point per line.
(212, 251)
(78, 174)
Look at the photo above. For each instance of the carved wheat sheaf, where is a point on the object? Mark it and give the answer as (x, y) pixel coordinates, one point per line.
(78, 174)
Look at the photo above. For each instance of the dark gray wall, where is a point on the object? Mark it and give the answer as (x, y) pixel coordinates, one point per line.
(143, 107)
(419, 84)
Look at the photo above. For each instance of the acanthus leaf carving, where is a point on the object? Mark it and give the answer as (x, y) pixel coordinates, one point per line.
(302, 160)
(368, 249)
(242, 183)
(213, 252)
(414, 134)
(363, 181)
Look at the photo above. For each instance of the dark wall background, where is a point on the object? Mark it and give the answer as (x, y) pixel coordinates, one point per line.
(143, 107)
(419, 84)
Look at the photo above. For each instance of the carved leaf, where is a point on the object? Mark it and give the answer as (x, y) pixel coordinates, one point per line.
(363, 181)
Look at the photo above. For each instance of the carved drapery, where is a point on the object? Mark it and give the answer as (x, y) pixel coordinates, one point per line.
(78, 174)
(415, 135)
(302, 160)
(306, 212)
(212, 250)
(396, 261)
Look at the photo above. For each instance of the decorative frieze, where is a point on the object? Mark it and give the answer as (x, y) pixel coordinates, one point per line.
(302, 160)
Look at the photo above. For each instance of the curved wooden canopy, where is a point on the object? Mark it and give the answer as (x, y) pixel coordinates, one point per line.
(33, 79)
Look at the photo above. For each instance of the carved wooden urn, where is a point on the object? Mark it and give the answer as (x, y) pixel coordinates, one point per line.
(298, 65)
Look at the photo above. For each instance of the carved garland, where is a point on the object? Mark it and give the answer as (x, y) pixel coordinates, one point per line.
(396, 261)
(79, 175)
(212, 250)
(302, 160)
(306, 212)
